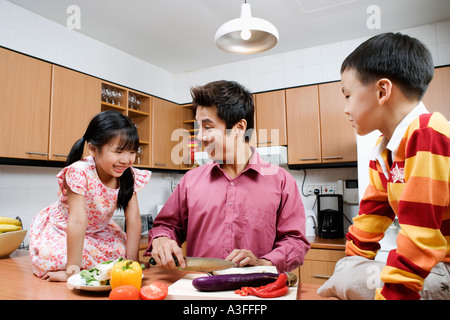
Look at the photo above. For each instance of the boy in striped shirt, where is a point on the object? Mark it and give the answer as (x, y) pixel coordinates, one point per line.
(383, 81)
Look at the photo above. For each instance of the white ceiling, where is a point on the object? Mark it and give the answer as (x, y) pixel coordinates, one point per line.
(178, 35)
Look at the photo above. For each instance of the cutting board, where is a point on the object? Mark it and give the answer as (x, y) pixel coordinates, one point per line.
(184, 290)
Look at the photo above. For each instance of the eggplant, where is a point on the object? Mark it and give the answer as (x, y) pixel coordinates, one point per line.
(223, 282)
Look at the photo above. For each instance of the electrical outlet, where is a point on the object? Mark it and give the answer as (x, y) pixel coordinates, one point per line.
(328, 189)
(310, 189)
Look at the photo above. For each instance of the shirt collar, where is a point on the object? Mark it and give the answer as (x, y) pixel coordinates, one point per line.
(399, 131)
(255, 163)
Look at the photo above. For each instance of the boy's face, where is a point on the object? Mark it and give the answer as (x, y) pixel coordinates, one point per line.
(218, 141)
(361, 103)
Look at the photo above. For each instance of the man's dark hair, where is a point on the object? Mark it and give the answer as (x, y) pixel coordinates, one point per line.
(405, 61)
(232, 100)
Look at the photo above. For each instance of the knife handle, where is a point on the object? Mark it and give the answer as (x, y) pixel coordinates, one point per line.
(153, 262)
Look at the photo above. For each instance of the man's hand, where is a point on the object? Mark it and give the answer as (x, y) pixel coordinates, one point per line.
(245, 257)
(162, 250)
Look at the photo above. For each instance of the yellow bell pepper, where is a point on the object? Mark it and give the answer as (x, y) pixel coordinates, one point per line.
(126, 272)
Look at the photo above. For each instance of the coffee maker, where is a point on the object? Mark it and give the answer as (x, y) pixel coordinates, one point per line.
(330, 216)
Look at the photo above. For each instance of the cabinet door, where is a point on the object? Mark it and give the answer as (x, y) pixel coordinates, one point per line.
(437, 96)
(76, 98)
(338, 136)
(24, 106)
(166, 117)
(271, 118)
(303, 124)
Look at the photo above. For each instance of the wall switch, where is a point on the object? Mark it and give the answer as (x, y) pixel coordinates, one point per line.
(328, 189)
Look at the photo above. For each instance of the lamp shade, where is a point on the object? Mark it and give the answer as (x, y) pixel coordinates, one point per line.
(246, 35)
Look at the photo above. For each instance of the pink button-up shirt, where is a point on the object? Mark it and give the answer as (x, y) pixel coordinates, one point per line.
(259, 210)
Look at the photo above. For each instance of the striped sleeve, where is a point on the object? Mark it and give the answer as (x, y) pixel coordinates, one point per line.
(421, 204)
(374, 217)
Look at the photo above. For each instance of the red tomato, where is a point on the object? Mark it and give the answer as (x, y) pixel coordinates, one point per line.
(125, 292)
(154, 291)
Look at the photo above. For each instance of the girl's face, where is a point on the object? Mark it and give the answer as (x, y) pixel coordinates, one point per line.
(111, 161)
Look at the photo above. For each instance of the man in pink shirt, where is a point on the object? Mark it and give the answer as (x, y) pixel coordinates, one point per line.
(237, 207)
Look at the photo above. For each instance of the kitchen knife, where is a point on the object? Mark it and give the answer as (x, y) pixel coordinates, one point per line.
(202, 264)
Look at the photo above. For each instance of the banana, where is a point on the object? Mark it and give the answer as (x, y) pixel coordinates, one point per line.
(6, 220)
(9, 227)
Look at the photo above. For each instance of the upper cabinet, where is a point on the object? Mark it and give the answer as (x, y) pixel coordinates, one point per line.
(270, 110)
(167, 136)
(337, 134)
(75, 101)
(24, 106)
(318, 129)
(437, 96)
(303, 121)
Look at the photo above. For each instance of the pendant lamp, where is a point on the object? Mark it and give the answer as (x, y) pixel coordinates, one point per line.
(246, 35)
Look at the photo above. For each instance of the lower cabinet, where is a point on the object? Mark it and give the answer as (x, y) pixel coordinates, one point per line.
(319, 265)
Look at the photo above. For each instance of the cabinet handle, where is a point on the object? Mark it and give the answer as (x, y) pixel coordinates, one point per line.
(37, 153)
(60, 155)
(331, 158)
(308, 159)
(265, 142)
(321, 276)
(160, 164)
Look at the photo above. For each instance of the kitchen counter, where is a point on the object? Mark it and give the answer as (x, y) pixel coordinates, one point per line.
(19, 283)
(322, 243)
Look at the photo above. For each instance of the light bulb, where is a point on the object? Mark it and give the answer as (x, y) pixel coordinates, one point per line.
(245, 34)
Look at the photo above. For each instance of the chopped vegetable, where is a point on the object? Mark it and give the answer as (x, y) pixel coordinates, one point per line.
(157, 290)
(100, 274)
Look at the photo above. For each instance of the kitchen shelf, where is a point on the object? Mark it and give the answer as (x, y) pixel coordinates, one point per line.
(137, 107)
(189, 123)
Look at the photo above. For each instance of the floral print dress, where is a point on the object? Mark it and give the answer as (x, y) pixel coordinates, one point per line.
(104, 240)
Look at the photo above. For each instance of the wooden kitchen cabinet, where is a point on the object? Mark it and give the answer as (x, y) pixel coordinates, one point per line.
(167, 140)
(337, 135)
(25, 90)
(319, 265)
(303, 119)
(437, 97)
(75, 98)
(318, 129)
(190, 143)
(270, 111)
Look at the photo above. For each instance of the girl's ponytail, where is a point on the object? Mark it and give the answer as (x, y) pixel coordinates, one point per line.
(76, 152)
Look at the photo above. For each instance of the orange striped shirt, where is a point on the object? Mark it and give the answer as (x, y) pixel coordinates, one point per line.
(416, 190)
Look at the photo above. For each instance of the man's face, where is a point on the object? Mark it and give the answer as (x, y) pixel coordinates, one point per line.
(218, 143)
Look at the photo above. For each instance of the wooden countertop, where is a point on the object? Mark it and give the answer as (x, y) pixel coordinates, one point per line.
(19, 283)
(322, 243)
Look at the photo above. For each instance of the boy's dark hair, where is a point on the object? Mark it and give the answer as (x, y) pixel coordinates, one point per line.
(232, 100)
(404, 60)
(104, 127)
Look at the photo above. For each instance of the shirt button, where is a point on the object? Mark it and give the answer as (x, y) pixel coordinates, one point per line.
(230, 203)
(232, 183)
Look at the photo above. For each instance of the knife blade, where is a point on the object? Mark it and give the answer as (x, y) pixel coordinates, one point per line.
(202, 264)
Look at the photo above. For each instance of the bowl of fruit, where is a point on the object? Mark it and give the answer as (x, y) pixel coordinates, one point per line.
(11, 235)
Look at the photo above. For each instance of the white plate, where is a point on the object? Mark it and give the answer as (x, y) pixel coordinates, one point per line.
(77, 282)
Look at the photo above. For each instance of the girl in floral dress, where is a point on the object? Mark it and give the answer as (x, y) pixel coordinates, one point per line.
(77, 231)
